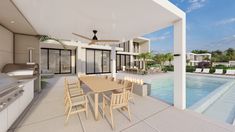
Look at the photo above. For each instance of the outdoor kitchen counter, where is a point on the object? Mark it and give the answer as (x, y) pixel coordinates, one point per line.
(17, 94)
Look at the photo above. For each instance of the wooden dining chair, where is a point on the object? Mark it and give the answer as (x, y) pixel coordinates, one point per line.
(116, 101)
(110, 78)
(76, 105)
(129, 86)
(120, 81)
(74, 90)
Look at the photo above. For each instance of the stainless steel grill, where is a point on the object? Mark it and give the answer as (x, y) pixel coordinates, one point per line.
(26, 70)
(10, 90)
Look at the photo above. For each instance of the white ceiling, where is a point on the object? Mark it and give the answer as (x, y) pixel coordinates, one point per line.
(114, 19)
(8, 13)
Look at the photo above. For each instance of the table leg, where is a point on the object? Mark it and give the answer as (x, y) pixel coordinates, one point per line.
(96, 108)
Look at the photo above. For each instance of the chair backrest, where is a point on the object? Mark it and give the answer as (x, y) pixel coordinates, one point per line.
(120, 99)
(111, 78)
(128, 85)
(119, 81)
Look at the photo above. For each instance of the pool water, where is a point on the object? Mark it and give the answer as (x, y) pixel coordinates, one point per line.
(197, 87)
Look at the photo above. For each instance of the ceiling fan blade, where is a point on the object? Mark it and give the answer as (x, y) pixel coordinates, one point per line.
(108, 40)
(81, 36)
(92, 42)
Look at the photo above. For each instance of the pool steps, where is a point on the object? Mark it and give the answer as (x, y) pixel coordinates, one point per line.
(204, 103)
(209, 102)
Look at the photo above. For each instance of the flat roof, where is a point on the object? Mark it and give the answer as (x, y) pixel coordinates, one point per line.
(120, 19)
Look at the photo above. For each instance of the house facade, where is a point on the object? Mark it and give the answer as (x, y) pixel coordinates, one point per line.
(82, 58)
(193, 59)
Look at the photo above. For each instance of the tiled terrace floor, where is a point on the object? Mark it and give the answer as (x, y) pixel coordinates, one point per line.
(148, 115)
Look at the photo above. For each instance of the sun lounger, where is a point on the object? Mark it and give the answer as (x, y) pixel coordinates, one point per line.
(218, 71)
(230, 72)
(198, 70)
(206, 70)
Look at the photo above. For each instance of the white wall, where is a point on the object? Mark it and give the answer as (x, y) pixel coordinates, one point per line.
(6, 47)
(145, 46)
(22, 43)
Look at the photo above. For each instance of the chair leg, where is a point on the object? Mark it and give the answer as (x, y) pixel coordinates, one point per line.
(129, 113)
(132, 98)
(66, 110)
(67, 118)
(86, 110)
(103, 108)
(111, 115)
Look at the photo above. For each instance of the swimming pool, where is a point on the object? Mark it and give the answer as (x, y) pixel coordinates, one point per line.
(197, 87)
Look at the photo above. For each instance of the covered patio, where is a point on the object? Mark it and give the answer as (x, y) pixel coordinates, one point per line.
(148, 114)
(116, 20)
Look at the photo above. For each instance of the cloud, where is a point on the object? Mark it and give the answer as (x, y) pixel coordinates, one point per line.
(222, 44)
(226, 21)
(194, 5)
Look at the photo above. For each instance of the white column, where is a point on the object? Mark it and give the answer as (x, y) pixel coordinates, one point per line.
(179, 64)
(131, 46)
(113, 61)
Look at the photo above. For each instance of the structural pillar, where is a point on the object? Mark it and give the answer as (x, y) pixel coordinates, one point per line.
(180, 64)
(113, 61)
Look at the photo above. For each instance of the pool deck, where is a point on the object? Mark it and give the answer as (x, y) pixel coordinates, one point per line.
(225, 103)
(148, 114)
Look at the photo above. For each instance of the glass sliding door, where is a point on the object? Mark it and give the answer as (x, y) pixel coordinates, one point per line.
(65, 61)
(90, 61)
(97, 61)
(118, 63)
(106, 61)
(128, 61)
(54, 61)
(44, 59)
(122, 60)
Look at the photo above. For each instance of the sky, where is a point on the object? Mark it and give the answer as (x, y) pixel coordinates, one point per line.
(210, 26)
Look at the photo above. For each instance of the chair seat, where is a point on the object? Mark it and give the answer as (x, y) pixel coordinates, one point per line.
(79, 100)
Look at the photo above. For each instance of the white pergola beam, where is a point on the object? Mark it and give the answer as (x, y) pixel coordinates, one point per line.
(180, 63)
(113, 61)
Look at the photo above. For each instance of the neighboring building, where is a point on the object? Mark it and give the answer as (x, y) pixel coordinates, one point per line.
(82, 58)
(232, 63)
(227, 64)
(194, 59)
(128, 56)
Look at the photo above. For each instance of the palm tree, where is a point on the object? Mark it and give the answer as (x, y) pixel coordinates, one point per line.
(145, 56)
(160, 58)
(169, 57)
(43, 38)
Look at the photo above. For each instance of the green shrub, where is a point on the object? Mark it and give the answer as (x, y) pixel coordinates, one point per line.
(220, 67)
(190, 68)
(168, 68)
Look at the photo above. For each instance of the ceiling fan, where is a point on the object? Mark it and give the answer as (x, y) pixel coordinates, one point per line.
(94, 39)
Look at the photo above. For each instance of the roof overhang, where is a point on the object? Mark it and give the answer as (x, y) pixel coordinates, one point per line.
(12, 19)
(141, 40)
(114, 19)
